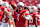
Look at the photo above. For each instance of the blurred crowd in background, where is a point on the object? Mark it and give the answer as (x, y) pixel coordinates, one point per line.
(33, 6)
(27, 2)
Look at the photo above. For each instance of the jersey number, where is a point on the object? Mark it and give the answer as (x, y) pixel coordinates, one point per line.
(18, 16)
(3, 20)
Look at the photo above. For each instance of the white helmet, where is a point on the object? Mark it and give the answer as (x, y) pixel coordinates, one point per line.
(38, 5)
(20, 3)
(33, 9)
(5, 4)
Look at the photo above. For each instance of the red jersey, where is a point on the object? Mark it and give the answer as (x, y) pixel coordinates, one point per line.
(5, 18)
(1, 12)
(20, 21)
(32, 22)
(2, 8)
(38, 19)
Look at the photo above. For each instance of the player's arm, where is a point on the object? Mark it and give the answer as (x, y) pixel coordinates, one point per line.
(9, 14)
(36, 20)
(14, 23)
(27, 16)
(6, 11)
(9, 22)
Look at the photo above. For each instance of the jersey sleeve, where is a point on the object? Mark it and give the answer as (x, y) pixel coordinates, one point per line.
(26, 13)
(27, 16)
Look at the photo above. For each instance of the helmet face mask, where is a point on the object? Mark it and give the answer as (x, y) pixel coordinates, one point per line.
(20, 8)
(20, 5)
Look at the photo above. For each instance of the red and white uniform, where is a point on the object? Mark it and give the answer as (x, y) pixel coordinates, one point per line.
(20, 21)
(5, 20)
(32, 22)
(38, 20)
(1, 12)
(2, 16)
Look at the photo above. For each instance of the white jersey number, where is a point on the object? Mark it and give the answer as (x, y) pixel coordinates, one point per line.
(18, 16)
(3, 20)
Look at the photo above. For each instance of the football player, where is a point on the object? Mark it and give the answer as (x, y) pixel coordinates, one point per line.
(33, 12)
(3, 18)
(21, 16)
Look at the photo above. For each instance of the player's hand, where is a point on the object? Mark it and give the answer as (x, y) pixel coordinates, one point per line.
(30, 18)
(23, 15)
(27, 17)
